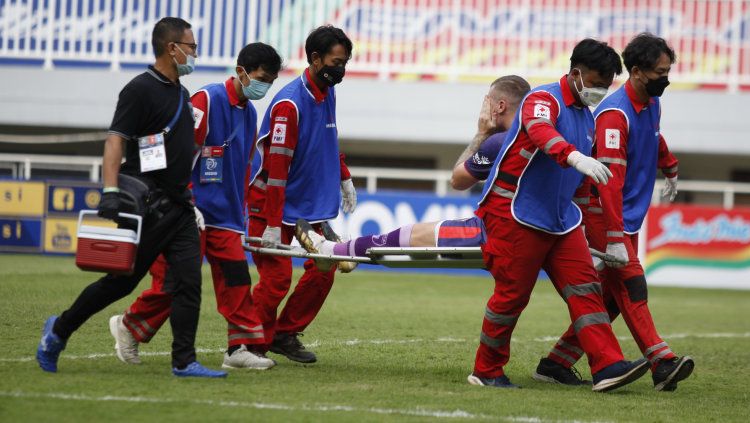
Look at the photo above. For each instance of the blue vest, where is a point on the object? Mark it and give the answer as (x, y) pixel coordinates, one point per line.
(313, 185)
(544, 195)
(222, 203)
(643, 155)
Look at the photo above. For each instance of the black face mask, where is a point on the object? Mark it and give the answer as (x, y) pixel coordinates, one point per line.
(656, 87)
(331, 75)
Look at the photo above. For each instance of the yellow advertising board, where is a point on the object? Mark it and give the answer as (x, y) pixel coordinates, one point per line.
(60, 235)
(22, 198)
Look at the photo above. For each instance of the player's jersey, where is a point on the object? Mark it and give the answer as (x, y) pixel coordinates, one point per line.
(480, 164)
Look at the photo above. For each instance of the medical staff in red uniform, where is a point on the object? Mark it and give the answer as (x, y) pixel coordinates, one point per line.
(531, 210)
(630, 143)
(301, 175)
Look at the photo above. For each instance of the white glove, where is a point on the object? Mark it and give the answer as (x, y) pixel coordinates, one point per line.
(199, 219)
(271, 236)
(590, 167)
(348, 196)
(670, 188)
(617, 251)
(598, 263)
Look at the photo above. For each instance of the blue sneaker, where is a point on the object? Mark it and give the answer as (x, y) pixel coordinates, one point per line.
(195, 369)
(619, 374)
(497, 382)
(50, 347)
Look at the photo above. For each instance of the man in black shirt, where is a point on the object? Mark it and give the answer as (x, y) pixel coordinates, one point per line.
(154, 121)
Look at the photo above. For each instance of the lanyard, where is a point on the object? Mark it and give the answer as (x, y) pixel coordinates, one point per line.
(228, 142)
(172, 122)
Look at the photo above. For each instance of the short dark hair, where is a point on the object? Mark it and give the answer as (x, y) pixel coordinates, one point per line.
(644, 51)
(597, 56)
(323, 38)
(167, 30)
(512, 86)
(259, 55)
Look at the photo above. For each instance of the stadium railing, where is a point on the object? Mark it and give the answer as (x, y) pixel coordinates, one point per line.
(21, 166)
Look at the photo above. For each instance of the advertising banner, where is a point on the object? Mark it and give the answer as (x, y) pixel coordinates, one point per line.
(69, 198)
(23, 234)
(378, 213)
(21, 198)
(698, 246)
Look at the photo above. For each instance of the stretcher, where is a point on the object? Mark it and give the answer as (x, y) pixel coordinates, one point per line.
(397, 257)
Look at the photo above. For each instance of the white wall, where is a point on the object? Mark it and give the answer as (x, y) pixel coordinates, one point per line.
(368, 109)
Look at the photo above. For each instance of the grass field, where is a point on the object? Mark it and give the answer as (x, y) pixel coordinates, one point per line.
(390, 347)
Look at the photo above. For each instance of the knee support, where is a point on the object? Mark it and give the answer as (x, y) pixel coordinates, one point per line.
(637, 290)
(236, 273)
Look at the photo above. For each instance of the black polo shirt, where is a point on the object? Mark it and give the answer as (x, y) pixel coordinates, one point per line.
(145, 106)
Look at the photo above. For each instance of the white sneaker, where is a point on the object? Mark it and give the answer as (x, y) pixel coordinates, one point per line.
(126, 347)
(244, 359)
(314, 243)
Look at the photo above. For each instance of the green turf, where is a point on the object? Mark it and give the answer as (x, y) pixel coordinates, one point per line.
(390, 347)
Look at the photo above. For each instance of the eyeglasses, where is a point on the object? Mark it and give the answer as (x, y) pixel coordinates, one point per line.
(191, 45)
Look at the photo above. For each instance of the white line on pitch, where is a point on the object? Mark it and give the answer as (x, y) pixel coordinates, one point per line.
(355, 342)
(417, 412)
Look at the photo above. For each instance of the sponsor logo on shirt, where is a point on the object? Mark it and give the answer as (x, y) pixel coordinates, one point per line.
(480, 160)
(331, 125)
(280, 119)
(612, 138)
(279, 133)
(546, 103)
(541, 111)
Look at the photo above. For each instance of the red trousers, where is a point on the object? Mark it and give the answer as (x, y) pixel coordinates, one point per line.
(624, 291)
(514, 254)
(231, 278)
(275, 280)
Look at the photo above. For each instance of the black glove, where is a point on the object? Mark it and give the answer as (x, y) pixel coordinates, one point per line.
(109, 205)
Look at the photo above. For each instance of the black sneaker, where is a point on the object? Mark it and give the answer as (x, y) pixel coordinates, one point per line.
(288, 345)
(329, 234)
(668, 372)
(551, 372)
(619, 374)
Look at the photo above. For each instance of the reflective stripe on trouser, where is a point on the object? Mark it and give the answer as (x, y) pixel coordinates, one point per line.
(151, 309)
(620, 287)
(514, 254)
(275, 279)
(149, 312)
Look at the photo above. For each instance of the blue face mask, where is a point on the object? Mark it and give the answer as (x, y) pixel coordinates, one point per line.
(255, 90)
(186, 68)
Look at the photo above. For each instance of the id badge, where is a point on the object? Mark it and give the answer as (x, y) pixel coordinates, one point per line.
(152, 153)
(212, 161)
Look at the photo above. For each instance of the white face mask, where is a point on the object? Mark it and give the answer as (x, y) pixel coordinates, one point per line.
(187, 67)
(590, 96)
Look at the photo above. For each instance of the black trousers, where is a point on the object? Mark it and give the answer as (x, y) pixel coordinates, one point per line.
(175, 235)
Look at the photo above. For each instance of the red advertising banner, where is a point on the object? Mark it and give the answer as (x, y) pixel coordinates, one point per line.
(697, 244)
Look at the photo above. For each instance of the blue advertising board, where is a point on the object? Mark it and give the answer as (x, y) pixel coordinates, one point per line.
(21, 234)
(69, 198)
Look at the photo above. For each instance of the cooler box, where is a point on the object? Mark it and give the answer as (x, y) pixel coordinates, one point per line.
(109, 250)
